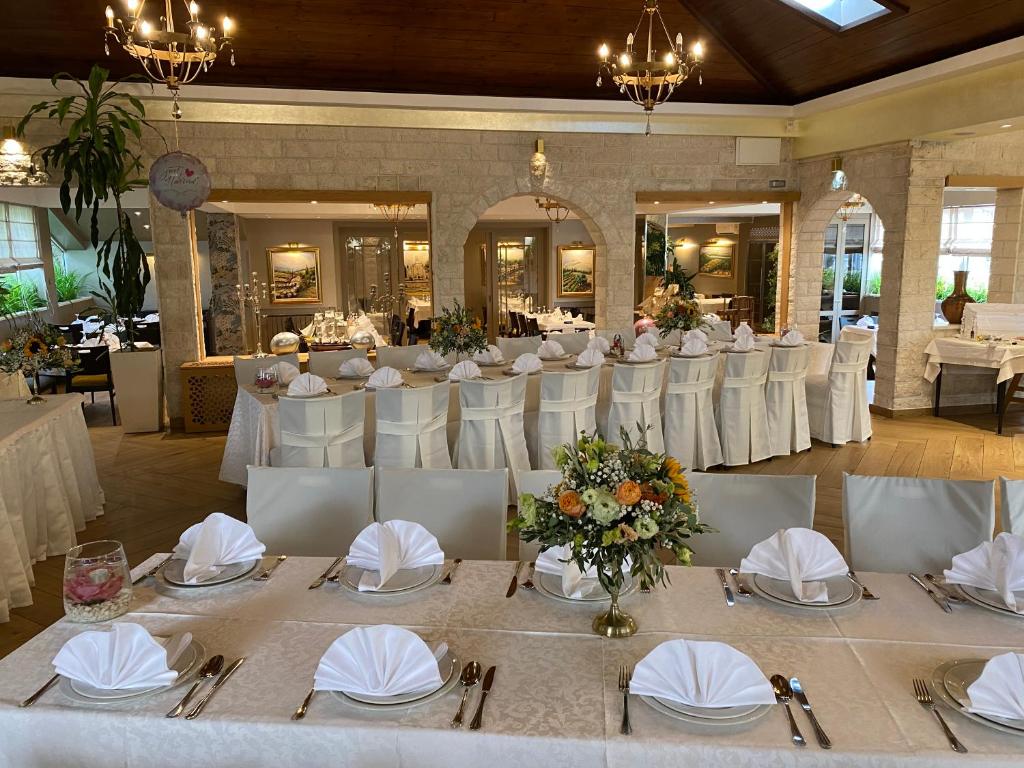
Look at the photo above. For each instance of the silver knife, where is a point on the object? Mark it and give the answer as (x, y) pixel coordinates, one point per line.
(801, 698)
(478, 718)
(224, 676)
(153, 571)
(319, 582)
(514, 584)
(729, 599)
(931, 593)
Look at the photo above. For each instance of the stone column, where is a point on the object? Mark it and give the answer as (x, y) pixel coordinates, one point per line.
(1006, 280)
(225, 274)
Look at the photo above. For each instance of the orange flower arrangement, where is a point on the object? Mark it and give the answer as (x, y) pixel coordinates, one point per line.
(647, 493)
(35, 346)
(571, 504)
(675, 474)
(628, 492)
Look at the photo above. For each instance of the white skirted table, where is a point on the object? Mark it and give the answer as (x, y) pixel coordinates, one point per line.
(555, 698)
(50, 488)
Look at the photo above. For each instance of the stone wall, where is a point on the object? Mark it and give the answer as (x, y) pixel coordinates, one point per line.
(225, 275)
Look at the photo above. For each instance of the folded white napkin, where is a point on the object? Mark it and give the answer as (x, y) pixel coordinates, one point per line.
(467, 369)
(490, 355)
(355, 366)
(550, 349)
(385, 378)
(380, 660)
(801, 556)
(744, 330)
(792, 339)
(866, 322)
(214, 543)
(124, 657)
(94, 341)
(701, 674)
(649, 337)
(153, 318)
(286, 372)
(429, 360)
(743, 343)
(694, 346)
(999, 690)
(601, 344)
(997, 565)
(642, 353)
(695, 333)
(575, 583)
(382, 550)
(711, 317)
(590, 357)
(307, 384)
(527, 363)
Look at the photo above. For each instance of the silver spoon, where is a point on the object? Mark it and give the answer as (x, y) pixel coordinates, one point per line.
(740, 588)
(783, 694)
(211, 668)
(470, 677)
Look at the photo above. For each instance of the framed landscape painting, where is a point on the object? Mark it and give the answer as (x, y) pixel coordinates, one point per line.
(716, 260)
(575, 270)
(294, 275)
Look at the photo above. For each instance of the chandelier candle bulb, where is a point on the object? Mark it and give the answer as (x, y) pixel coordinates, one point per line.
(109, 13)
(193, 9)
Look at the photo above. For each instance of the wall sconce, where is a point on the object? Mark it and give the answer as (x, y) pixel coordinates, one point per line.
(539, 162)
(839, 181)
(16, 167)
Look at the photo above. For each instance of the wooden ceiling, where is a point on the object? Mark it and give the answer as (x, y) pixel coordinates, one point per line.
(758, 51)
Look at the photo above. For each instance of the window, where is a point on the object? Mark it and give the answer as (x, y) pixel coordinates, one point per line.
(966, 245)
(839, 14)
(21, 272)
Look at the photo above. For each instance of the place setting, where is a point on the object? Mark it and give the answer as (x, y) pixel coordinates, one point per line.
(695, 345)
(385, 377)
(429, 361)
(490, 357)
(307, 385)
(557, 577)
(392, 559)
(527, 363)
(990, 576)
(355, 368)
(989, 692)
(551, 351)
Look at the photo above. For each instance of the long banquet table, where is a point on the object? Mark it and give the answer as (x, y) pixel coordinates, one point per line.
(555, 699)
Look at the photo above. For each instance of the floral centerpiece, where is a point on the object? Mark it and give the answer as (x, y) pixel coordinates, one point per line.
(30, 350)
(614, 505)
(456, 330)
(679, 314)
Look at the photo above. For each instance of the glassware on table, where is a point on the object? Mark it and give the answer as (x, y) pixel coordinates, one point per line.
(97, 582)
(266, 378)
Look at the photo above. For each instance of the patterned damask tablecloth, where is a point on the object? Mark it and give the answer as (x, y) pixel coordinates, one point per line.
(555, 699)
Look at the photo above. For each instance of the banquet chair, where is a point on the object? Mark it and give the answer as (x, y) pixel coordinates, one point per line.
(13, 386)
(691, 436)
(742, 413)
(900, 524)
(401, 358)
(786, 400)
(573, 343)
(635, 398)
(412, 427)
(464, 509)
(856, 333)
(92, 374)
(745, 510)
(491, 430)
(536, 482)
(308, 511)
(1011, 508)
(326, 364)
(837, 402)
(321, 431)
(533, 327)
(568, 406)
(513, 347)
(246, 367)
(719, 330)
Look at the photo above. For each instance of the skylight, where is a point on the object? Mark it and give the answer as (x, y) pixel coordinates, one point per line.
(840, 14)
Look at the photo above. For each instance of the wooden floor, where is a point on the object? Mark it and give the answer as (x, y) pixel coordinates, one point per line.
(158, 485)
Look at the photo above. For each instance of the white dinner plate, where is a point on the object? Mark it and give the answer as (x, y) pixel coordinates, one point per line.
(186, 663)
(691, 357)
(741, 351)
(624, 361)
(660, 705)
(510, 372)
(710, 713)
(174, 573)
(417, 369)
(841, 592)
(949, 684)
(352, 377)
(577, 367)
(491, 365)
(550, 585)
(409, 580)
(565, 356)
(449, 669)
(307, 396)
(990, 599)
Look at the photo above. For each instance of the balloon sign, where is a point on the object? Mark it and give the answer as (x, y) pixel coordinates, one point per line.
(179, 181)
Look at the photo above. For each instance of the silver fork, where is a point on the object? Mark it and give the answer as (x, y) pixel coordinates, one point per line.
(625, 675)
(924, 698)
(528, 584)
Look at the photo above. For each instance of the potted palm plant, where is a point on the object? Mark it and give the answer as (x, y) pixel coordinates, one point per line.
(99, 160)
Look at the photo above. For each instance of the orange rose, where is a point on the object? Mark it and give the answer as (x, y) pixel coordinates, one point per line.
(570, 504)
(628, 493)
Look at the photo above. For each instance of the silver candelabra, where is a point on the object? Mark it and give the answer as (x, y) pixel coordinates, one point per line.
(252, 295)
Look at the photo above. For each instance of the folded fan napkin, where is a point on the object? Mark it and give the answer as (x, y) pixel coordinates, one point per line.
(997, 565)
(355, 366)
(384, 549)
(550, 349)
(601, 344)
(999, 690)
(123, 657)
(590, 357)
(527, 363)
(153, 318)
(866, 322)
(744, 330)
(380, 660)
(429, 360)
(642, 353)
(649, 337)
(701, 674)
(385, 378)
(490, 355)
(743, 343)
(467, 369)
(216, 542)
(696, 333)
(792, 339)
(575, 583)
(286, 372)
(307, 384)
(800, 556)
(694, 346)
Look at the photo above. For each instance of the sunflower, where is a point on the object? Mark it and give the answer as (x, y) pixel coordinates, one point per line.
(675, 474)
(35, 346)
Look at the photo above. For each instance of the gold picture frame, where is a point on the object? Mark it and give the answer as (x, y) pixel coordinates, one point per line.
(715, 259)
(293, 274)
(575, 273)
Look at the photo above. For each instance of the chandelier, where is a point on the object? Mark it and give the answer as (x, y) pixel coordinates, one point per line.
(651, 80)
(168, 56)
(555, 211)
(850, 207)
(394, 213)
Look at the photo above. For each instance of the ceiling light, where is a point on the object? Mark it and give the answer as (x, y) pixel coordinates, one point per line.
(764, 202)
(145, 226)
(223, 201)
(839, 181)
(554, 210)
(1006, 125)
(137, 213)
(313, 202)
(657, 202)
(711, 202)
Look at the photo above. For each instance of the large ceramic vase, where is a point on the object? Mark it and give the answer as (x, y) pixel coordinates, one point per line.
(138, 380)
(953, 305)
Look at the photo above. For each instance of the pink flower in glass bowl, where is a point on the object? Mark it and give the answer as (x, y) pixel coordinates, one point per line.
(94, 584)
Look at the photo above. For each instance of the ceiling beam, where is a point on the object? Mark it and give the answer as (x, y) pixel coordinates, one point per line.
(320, 195)
(719, 196)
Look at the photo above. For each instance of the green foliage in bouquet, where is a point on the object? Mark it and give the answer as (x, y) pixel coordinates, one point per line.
(456, 330)
(679, 314)
(611, 505)
(38, 347)
(676, 275)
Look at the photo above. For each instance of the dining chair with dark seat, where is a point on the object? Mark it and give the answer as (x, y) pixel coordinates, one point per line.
(532, 327)
(92, 375)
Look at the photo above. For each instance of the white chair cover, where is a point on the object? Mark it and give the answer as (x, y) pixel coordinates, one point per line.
(785, 397)
(720, 330)
(1011, 511)
(900, 524)
(246, 367)
(412, 427)
(747, 509)
(853, 333)
(636, 397)
(628, 336)
(691, 436)
(322, 431)
(491, 432)
(537, 482)
(568, 406)
(399, 357)
(742, 414)
(308, 512)
(512, 348)
(13, 386)
(837, 404)
(464, 509)
(326, 364)
(572, 343)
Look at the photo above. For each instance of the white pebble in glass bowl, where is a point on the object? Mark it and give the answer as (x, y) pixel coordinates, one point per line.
(97, 582)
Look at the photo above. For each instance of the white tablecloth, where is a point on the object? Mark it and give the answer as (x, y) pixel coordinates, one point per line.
(555, 700)
(708, 306)
(547, 323)
(1007, 358)
(50, 488)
